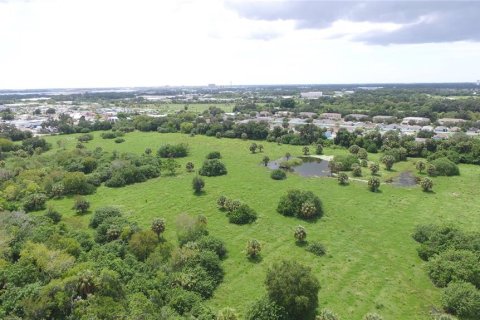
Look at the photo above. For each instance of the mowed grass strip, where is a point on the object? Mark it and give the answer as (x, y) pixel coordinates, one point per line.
(371, 263)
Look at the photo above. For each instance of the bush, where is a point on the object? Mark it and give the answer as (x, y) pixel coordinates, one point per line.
(54, 215)
(77, 183)
(431, 170)
(264, 309)
(85, 137)
(454, 265)
(213, 244)
(189, 166)
(278, 174)
(103, 213)
(81, 205)
(173, 151)
(462, 299)
(345, 162)
(119, 140)
(317, 248)
(34, 202)
(388, 161)
(302, 204)
(374, 184)
(212, 167)
(142, 244)
(242, 215)
(253, 248)
(372, 316)
(198, 184)
(445, 167)
(214, 155)
(108, 135)
(342, 178)
(356, 170)
(326, 314)
(221, 202)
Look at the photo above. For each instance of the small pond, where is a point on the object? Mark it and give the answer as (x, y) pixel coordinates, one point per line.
(405, 179)
(310, 167)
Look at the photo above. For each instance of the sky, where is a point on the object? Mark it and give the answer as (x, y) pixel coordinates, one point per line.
(127, 43)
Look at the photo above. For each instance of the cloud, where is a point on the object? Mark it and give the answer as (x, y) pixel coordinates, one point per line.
(417, 21)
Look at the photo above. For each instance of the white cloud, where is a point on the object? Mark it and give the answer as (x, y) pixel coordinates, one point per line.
(88, 43)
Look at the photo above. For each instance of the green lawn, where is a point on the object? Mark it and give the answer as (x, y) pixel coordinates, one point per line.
(371, 263)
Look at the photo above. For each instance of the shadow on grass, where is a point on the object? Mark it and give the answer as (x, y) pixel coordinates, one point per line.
(301, 244)
(255, 259)
(200, 193)
(429, 191)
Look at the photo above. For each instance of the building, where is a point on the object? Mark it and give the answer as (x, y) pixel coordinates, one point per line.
(331, 116)
(384, 119)
(450, 121)
(416, 120)
(311, 94)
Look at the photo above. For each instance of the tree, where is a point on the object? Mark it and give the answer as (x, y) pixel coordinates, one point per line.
(426, 184)
(354, 149)
(431, 170)
(454, 265)
(212, 167)
(189, 166)
(265, 309)
(244, 136)
(158, 226)
(266, 160)
(300, 234)
(81, 205)
(198, 184)
(171, 166)
(374, 184)
(242, 214)
(302, 204)
(319, 149)
(356, 170)
(287, 155)
(326, 314)
(278, 174)
(462, 299)
(292, 286)
(54, 215)
(362, 154)
(148, 151)
(388, 161)
(260, 148)
(374, 168)
(342, 178)
(253, 248)
(420, 165)
(253, 147)
(305, 150)
(34, 202)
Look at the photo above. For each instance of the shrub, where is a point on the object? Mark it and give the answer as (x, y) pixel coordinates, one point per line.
(158, 226)
(278, 174)
(76, 183)
(431, 170)
(462, 299)
(103, 213)
(213, 244)
(253, 248)
(316, 248)
(374, 168)
(242, 215)
(119, 140)
(302, 204)
(374, 184)
(81, 205)
(426, 184)
(221, 202)
(85, 137)
(364, 163)
(342, 178)
(319, 149)
(265, 160)
(300, 234)
(213, 167)
(354, 149)
(228, 313)
(190, 229)
(265, 309)
(34, 202)
(445, 167)
(173, 151)
(232, 205)
(362, 154)
(108, 135)
(420, 166)
(142, 244)
(372, 316)
(288, 283)
(214, 155)
(198, 184)
(326, 314)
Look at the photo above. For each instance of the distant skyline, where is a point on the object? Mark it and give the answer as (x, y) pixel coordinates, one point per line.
(147, 43)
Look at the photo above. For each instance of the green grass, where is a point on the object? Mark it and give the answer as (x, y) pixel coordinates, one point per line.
(371, 263)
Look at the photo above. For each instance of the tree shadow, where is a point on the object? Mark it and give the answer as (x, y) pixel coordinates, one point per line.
(200, 193)
(301, 244)
(429, 191)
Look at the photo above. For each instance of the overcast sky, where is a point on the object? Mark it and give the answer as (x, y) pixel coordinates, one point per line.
(106, 43)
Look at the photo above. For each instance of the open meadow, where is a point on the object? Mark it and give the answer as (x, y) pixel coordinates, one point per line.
(371, 263)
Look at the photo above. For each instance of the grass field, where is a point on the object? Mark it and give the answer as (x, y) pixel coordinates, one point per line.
(371, 263)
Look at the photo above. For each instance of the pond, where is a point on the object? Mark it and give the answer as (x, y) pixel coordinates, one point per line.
(310, 167)
(405, 179)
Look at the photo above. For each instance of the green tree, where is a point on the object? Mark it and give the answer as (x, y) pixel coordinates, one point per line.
(158, 226)
(287, 156)
(292, 286)
(260, 148)
(253, 248)
(171, 166)
(305, 150)
(426, 184)
(198, 184)
(342, 178)
(319, 149)
(189, 166)
(462, 299)
(266, 160)
(81, 205)
(374, 168)
(326, 314)
(142, 243)
(374, 184)
(265, 309)
(300, 234)
(356, 170)
(388, 161)
(420, 165)
(253, 147)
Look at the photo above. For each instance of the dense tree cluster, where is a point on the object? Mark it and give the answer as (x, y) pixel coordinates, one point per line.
(301, 204)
